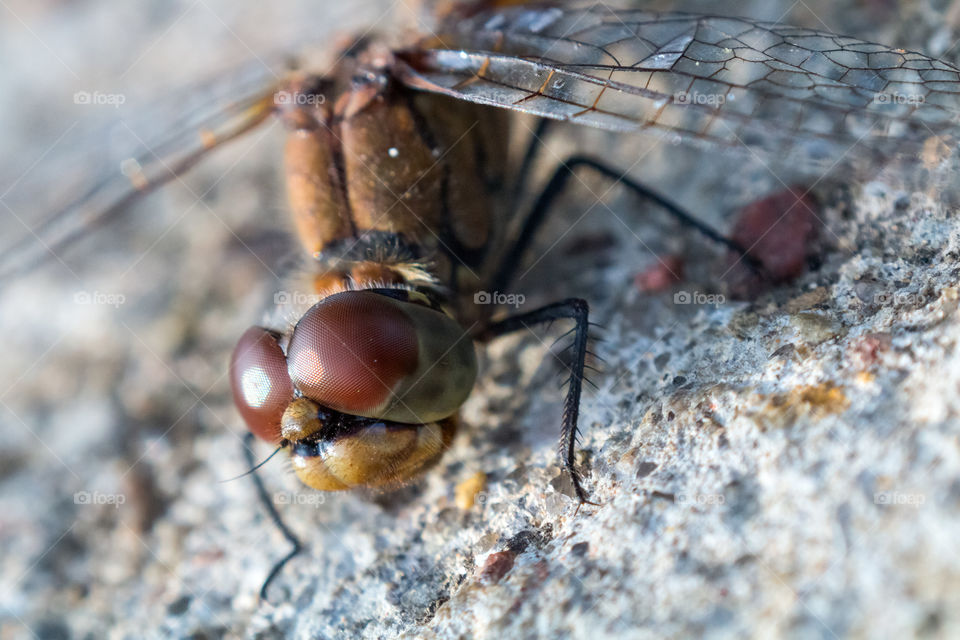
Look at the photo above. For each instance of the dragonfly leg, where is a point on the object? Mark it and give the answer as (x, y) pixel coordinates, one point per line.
(264, 498)
(577, 310)
(555, 186)
(530, 155)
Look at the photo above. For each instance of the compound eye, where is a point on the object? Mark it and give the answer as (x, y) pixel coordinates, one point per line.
(367, 354)
(350, 349)
(261, 385)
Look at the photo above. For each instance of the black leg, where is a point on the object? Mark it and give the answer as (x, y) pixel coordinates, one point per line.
(267, 503)
(555, 187)
(578, 310)
(530, 158)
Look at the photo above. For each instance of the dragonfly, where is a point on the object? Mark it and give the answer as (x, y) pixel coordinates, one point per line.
(401, 198)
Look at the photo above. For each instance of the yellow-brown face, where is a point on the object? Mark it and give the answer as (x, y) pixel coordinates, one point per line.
(366, 392)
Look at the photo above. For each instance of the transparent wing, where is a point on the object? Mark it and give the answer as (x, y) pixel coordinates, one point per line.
(808, 98)
(123, 161)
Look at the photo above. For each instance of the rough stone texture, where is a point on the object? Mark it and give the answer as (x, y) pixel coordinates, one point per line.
(784, 467)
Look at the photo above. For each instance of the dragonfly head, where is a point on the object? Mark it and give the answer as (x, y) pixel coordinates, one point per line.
(365, 392)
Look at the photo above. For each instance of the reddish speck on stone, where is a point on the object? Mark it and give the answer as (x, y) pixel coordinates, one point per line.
(498, 564)
(780, 231)
(661, 275)
(868, 348)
